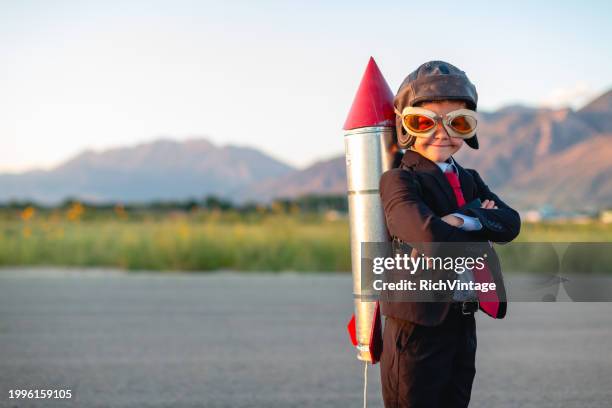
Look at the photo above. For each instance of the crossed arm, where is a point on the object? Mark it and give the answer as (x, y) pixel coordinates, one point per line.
(411, 220)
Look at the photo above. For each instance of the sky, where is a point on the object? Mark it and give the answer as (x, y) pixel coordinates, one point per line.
(279, 76)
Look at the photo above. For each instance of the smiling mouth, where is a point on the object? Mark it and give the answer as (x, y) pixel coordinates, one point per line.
(437, 145)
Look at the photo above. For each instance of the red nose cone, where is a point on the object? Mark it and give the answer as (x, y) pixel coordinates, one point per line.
(373, 104)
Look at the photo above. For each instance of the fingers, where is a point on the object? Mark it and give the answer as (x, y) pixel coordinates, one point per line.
(488, 204)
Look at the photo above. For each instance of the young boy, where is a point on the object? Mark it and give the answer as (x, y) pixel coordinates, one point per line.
(429, 348)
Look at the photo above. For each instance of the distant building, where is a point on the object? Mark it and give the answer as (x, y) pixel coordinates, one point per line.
(549, 213)
(606, 216)
(532, 216)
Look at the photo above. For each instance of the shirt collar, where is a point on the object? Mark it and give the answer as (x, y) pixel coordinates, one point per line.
(444, 165)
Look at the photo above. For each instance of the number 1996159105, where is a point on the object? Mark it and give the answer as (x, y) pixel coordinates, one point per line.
(40, 394)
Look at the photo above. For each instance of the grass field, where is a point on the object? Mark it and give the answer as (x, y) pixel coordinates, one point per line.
(180, 243)
(208, 241)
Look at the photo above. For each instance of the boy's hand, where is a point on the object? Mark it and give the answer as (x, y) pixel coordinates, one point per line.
(488, 204)
(452, 220)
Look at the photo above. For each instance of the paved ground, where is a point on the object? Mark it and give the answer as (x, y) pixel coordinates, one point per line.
(232, 340)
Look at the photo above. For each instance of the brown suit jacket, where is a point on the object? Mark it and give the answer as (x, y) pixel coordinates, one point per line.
(415, 196)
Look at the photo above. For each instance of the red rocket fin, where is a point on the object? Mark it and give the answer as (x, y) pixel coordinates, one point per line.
(376, 341)
(373, 104)
(352, 330)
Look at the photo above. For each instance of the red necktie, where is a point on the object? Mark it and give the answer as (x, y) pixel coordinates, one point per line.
(453, 180)
(489, 301)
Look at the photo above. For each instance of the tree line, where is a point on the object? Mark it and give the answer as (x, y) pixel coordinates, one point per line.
(303, 204)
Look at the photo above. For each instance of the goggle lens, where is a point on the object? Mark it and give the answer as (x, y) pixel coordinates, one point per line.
(419, 123)
(463, 124)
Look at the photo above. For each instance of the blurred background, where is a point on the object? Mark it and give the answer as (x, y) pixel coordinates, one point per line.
(166, 135)
(206, 136)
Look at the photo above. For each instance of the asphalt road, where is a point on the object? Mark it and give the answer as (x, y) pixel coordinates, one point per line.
(256, 340)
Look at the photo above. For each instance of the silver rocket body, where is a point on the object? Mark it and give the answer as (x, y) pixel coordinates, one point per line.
(368, 156)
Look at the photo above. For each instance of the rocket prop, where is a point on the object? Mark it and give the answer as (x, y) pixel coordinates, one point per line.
(368, 138)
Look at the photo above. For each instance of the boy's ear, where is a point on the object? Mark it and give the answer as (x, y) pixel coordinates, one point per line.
(405, 141)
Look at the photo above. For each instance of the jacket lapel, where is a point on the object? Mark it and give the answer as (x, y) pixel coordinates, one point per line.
(431, 169)
(466, 181)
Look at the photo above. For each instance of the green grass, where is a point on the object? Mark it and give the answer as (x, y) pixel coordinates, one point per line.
(565, 232)
(201, 243)
(272, 244)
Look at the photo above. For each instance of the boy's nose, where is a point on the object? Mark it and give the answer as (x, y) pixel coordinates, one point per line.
(441, 132)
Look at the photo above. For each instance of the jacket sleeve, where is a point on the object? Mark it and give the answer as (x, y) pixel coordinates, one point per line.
(500, 225)
(407, 215)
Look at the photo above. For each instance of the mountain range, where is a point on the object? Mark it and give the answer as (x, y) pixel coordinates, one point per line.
(159, 170)
(532, 157)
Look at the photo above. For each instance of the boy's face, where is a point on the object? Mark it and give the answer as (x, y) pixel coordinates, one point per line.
(439, 146)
